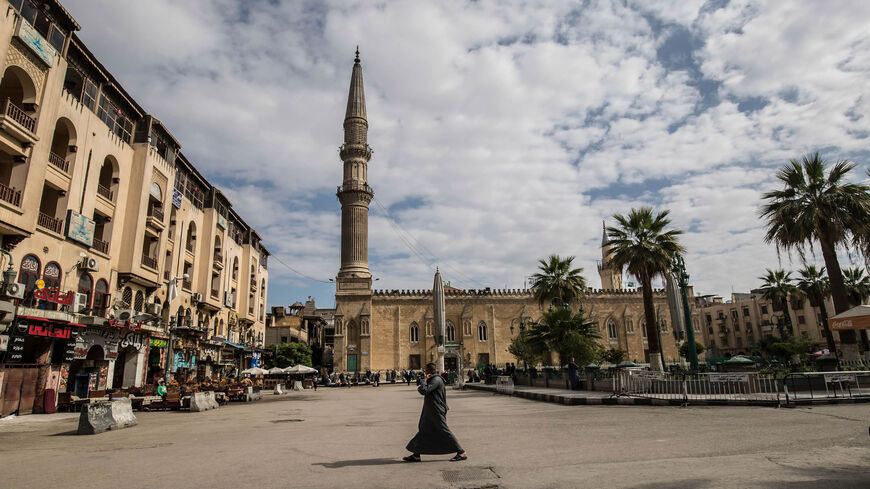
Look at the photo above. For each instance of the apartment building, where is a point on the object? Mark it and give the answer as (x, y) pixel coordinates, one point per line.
(102, 215)
(735, 327)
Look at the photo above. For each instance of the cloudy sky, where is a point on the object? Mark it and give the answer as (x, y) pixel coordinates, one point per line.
(502, 131)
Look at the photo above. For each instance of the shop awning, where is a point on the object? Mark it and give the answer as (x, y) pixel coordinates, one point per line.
(234, 345)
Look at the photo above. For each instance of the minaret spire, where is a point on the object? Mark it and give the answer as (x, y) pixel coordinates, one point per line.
(354, 192)
(604, 239)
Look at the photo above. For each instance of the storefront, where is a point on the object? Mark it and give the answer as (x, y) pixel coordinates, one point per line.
(157, 347)
(35, 364)
(93, 366)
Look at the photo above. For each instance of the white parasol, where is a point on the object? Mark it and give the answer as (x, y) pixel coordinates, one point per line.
(300, 369)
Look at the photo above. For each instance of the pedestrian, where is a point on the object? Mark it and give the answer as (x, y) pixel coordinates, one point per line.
(573, 374)
(407, 378)
(316, 378)
(433, 436)
(161, 388)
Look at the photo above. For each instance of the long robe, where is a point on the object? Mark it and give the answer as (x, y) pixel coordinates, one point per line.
(433, 436)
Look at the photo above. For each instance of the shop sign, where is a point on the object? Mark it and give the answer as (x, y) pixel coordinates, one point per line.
(178, 361)
(222, 222)
(50, 330)
(104, 337)
(69, 352)
(158, 343)
(117, 323)
(52, 294)
(256, 359)
(80, 228)
(228, 356)
(15, 349)
(34, 40)
(176, 198)
(134, 340)
(209, 353)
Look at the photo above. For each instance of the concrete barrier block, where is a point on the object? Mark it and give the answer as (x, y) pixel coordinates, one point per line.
(203, 401)
(98, 417)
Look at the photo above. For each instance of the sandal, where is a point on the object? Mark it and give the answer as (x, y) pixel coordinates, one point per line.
(459, 458)
(411, 458)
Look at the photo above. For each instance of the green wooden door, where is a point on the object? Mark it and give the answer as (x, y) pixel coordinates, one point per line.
(351, 363)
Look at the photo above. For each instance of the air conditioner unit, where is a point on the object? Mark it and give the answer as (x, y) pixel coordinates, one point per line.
(89, 263)
(13, 291)
(154, 309)
(125, 314)
(196, 297)
(80, 302)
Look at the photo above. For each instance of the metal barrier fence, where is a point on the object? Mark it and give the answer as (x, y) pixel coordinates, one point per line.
(737, 386)
(504, 385)
(810, 386)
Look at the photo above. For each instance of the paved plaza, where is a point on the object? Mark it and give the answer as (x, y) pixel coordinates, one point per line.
(355, 437)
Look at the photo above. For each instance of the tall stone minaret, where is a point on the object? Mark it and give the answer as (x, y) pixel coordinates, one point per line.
(611, 278)
(354, 193)
(353, 284)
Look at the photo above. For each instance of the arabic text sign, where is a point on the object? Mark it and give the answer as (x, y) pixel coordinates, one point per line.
(834, 378)
(80, 228)
(50, 330)
(728, 377)
(647, 374)
(34, 40)
(52, 294)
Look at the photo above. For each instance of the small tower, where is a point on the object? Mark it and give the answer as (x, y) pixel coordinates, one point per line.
(611, 278)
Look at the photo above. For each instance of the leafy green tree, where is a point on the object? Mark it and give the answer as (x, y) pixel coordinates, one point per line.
(817, 204)
(614, 356)
(557, 282)
(641, 244)
(684, 348)
(524, 350)
(814, 283)
(567, 333)
(777, 287)
(289, 354)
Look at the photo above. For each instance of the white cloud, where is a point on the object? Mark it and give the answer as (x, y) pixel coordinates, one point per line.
(513, 128)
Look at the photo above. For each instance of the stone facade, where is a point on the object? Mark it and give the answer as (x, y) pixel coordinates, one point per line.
(377, 330)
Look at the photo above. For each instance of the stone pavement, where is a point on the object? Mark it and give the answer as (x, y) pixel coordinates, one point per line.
(354, 437)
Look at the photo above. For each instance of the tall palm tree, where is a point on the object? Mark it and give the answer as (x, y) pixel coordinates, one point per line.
(557, 282)
(777, 287)
(857, 285)
(817, 204)
(641, 244)
(858, 289)
(815, 284)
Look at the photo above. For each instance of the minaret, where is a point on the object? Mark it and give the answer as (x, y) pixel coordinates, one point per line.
(440, 325)
(611, 278)
(354, 193)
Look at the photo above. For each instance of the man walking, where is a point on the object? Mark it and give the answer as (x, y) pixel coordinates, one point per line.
(573, 374)
(433, 435)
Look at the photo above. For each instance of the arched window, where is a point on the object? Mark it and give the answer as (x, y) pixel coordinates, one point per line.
(190, 242)
(101, 298)
(629, 325)
(127, 297)
(235, 268)
(139, 303)
(86, 287)
(28, 273)
(481, 331)
(51, 276)
(350, 329)
(643, 327)
(611, 330)
(415, 333)
(262, 288)
(450, 333)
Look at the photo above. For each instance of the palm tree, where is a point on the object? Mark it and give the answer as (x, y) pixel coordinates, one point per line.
(857, 285)
(858, 289)
(558, 282)
(641, 245)
(777, 287)
(817, 204)
(568, 333)
(815, 284)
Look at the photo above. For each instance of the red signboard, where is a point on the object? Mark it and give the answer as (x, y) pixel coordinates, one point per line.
(50, 330)
(52, 294)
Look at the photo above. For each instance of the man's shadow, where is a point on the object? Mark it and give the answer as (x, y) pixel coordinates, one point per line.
(362, 462)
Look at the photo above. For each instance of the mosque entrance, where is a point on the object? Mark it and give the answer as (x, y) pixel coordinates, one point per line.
(450, 363)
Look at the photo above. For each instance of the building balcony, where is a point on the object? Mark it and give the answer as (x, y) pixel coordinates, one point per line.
(155, 217)
(186, 285)
(105, 192)
(218, 261)
(215, 294)
(253, 283)
(149, 262)
(101, 246)
(58, 162)
(167, 274)
(190, 246)
(11, 195)
(15, 122)
(53, 224)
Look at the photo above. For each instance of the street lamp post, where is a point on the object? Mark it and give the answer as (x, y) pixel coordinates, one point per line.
(682, 277)
(172, 321)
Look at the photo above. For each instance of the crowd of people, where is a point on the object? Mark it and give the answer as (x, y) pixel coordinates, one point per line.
(349, 379)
